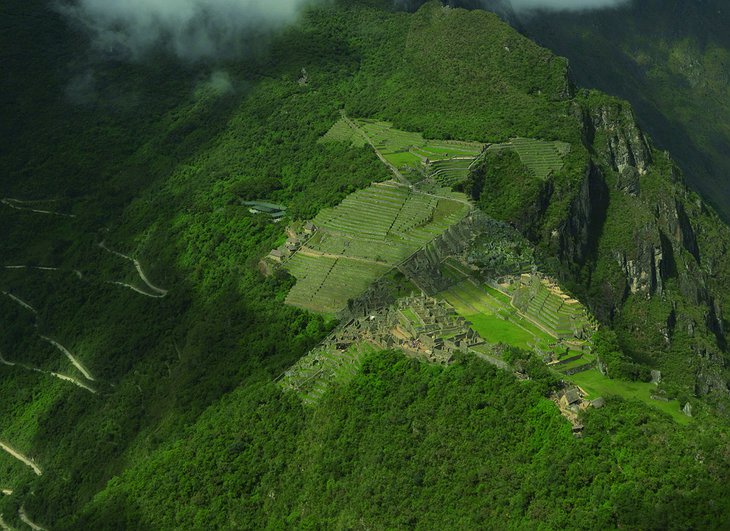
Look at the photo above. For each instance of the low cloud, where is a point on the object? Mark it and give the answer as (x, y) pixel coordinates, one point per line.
(189, 29)
(520, 6)
(218, 84)
(564, 5)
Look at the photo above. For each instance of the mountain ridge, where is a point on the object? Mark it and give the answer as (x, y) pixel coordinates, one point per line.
(190, 430)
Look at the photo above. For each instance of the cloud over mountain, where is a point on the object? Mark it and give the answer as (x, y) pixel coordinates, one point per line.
(190, 29)
(564, 5)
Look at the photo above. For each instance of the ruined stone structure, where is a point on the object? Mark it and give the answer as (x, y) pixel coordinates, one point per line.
(418, 325)
(297, 235)
(424, 267)
(571, 401)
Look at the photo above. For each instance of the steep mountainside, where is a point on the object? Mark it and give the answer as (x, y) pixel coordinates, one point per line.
(130, 266)
(671, 60)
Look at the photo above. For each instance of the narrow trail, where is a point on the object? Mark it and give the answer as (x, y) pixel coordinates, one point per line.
(4, 526)
(76, 363)
(308, 251)
(76, 272)
(13, 203)
(136, 289)
(21, 302)
(362, 133)
(161, 292)
(27, 521)
(60, 376)
(23, 459)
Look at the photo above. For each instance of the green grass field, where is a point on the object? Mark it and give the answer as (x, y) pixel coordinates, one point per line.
(595, 384)
(486, 309)
(406, 150)
(362, 238)
(495, 321)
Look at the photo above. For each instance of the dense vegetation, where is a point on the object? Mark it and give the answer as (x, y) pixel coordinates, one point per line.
(411, 445)
(187, 429)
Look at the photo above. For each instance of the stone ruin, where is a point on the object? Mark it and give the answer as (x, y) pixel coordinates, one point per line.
(419, 325)
(297, 235)
(571, 401)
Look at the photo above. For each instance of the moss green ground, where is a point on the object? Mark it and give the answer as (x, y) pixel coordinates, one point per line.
(595, 384)
(482, 308)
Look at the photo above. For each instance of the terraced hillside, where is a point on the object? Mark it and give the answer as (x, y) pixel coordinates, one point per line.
(342, 131)
(361, 239)
(530, 314)
(450, 172)
(492, 317)
(447, 161)
(541, 158)
(550, 308)
(319, 369)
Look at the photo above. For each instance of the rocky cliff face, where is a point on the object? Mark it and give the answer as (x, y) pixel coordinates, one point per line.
(632, 211)
(625, 146)
(578, 235)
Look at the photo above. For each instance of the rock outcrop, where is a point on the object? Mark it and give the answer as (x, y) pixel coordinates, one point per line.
(578, 234)
(424, 267)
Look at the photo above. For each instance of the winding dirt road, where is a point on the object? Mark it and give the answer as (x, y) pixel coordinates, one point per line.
(22, 458)
(4, 526)
(73, 359)
(160, 292)
(21, 302)
(60, 376)
(27, 521)
(76, 363)
(136, 289)
(13, 203)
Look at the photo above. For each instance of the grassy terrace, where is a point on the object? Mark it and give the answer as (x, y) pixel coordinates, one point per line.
(540, 157)
(595, 384)
(450, 172)
(494, 320)
(449, 160)
(364, 237)
(313, 374)
(342, 132)
(551, 310)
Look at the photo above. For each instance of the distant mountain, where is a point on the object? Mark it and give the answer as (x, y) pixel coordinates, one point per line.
(671, 60)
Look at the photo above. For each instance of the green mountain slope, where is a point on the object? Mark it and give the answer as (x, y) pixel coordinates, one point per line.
(671, 60)
(186, 430)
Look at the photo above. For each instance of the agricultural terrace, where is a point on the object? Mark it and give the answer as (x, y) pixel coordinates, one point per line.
(448, 161)
(494, 315)
(493, 318)
(546, 322)
(313, 374)
(363, 238)
(540, 157)
(550, 308)
(342, 131)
